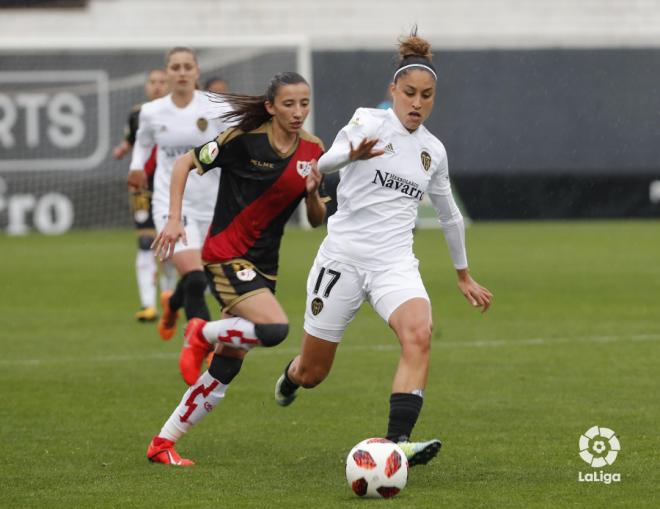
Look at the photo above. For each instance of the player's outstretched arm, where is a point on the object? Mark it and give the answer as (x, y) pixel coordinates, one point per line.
(164, 242)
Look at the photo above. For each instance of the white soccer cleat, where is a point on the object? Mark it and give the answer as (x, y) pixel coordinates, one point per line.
(420, 453)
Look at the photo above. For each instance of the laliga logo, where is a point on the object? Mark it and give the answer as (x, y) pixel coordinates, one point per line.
(599, 447)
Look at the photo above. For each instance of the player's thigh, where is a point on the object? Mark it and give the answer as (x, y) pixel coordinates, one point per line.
(399, 297)
(260, 307)
(411, 321)
(334, 294)
(243, 291)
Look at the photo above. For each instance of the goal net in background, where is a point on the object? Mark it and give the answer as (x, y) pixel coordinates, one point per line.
(63, 107)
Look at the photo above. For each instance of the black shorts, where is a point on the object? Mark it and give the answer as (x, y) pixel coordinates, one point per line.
(140, 202)
(235, 280)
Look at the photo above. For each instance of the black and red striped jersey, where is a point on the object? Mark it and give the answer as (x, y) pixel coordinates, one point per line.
(259, 190)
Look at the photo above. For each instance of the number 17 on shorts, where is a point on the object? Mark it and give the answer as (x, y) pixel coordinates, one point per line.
(334, 294)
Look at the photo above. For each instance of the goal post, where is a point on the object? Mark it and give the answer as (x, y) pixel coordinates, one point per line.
(64, 104)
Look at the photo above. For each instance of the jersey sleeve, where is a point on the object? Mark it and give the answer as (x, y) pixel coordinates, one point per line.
(144, 141)
(359, 127)
(449, 215)
(217, 153)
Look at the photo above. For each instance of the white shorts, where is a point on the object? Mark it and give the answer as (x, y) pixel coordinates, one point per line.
(336, 290)
(196, 231)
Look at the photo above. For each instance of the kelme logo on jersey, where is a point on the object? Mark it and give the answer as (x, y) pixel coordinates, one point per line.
(317, 306)
(392, 181)
(202, 124)
(426, 160)
(209, 152)
(304, 168)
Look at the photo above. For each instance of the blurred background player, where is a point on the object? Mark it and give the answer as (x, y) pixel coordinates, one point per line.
(268, 166)
(176, 123)
(216, 85)
(140, 201)
(388, 162)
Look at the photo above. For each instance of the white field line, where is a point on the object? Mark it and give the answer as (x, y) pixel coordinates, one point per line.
(496, 343)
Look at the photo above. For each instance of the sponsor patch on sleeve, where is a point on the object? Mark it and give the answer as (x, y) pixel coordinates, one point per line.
(209, 152)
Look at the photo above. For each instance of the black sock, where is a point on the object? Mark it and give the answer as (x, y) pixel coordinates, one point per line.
(288, 387)
(404, 410)
(194, 302)
(176, 299)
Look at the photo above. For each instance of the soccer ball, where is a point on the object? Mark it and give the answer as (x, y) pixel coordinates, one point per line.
(377, 468)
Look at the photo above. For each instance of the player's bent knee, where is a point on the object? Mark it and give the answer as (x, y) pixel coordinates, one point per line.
(271, 334)
(195, 281)
(224, 369)
(144, 242)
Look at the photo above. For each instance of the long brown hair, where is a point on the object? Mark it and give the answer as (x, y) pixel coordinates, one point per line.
(250, 110)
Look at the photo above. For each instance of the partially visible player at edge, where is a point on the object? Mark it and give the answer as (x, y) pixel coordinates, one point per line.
(140, 200)
(387, 160)
(268, 166)
(175, 124)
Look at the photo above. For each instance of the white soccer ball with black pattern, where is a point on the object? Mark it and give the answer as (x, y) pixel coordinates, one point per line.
(376, 468)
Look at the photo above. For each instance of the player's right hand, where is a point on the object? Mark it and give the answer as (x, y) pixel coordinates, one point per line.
(365, 150)
(163, 244)
(137, 179)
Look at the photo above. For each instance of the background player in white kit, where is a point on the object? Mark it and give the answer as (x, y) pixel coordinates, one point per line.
(146, 270)
(388, 161)
(184, 119)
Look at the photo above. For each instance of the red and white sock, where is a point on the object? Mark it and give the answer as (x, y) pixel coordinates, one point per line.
(197, 402)
(236, 331)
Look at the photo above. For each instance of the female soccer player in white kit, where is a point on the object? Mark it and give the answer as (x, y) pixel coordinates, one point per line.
(176, 123)
(388, 161)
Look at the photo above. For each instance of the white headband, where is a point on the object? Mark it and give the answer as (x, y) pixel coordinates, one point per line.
(416, 65)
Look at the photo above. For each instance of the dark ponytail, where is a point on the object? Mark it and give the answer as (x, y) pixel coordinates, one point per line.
(250, 110)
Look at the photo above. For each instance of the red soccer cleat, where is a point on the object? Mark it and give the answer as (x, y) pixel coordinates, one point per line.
(167, 322)
(161, 450)
(195, 348)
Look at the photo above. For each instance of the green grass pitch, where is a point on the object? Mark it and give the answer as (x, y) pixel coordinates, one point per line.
(572, 341)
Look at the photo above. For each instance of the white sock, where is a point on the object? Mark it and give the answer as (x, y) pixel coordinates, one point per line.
(145, 271)
(168, 276)
(237, 331)
(197, 402)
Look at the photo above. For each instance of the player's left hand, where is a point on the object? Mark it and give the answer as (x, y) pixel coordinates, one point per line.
(163, 244)
(313, 179)
(477, 295)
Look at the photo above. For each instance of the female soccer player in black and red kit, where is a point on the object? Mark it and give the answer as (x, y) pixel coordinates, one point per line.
(268, 166)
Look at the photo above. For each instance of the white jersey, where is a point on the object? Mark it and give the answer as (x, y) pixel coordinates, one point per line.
(176, 131)
(377, 199)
